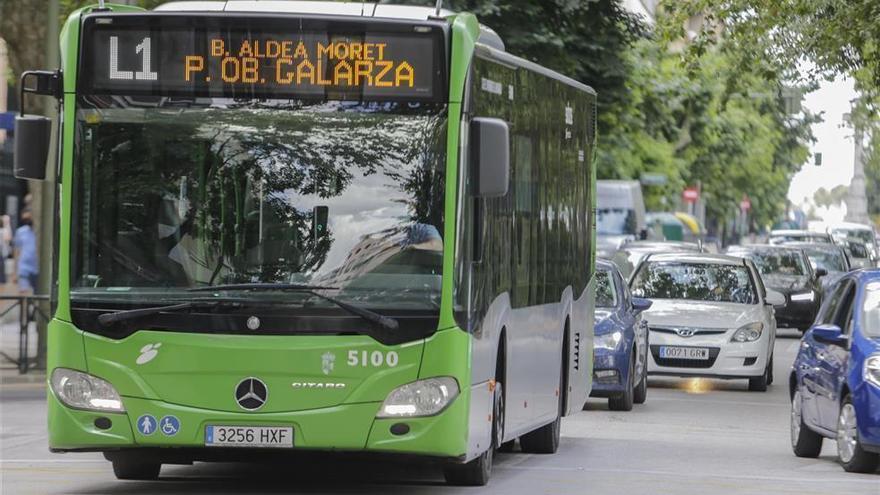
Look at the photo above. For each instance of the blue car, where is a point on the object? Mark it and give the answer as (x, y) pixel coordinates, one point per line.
(835, 380)
(620, 346)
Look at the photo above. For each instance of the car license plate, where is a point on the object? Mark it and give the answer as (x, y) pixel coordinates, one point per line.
(695, 353)
(248, 436)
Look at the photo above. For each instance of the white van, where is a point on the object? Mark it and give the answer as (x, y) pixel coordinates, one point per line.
(620, 215)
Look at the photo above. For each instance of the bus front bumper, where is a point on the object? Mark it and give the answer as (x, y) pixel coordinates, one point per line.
(346, 427)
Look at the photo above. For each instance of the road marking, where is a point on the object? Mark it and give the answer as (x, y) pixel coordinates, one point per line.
(868, 479)
(724, 402)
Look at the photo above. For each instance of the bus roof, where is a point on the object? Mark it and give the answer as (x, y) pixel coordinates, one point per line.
(357, 9)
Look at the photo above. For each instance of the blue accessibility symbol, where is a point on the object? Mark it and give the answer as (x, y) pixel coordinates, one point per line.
(146, 424)
(169, 425)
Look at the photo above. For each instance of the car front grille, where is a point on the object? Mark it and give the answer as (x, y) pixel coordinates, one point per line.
(685, 363)
(693, 330)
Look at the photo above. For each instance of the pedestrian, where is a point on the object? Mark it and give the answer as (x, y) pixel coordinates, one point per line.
(5, 245)
(25, 253)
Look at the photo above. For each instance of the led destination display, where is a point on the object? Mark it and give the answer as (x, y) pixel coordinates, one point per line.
(229, 58)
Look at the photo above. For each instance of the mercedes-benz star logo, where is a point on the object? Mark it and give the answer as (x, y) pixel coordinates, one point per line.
(685, 332)
(251, 393)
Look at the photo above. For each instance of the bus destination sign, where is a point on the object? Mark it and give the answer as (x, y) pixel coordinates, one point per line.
(229, 61)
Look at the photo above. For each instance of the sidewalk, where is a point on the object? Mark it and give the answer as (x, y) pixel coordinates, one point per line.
(9, 338)
(10, 377)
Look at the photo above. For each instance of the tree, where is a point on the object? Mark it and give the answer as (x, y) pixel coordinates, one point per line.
(835, 36)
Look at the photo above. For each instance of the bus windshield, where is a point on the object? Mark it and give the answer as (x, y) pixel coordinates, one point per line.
(172, 195)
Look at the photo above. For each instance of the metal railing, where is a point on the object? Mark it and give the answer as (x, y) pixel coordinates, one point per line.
(29, 311)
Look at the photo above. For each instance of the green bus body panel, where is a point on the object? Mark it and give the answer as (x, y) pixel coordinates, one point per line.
(193, 376)
(202, 370)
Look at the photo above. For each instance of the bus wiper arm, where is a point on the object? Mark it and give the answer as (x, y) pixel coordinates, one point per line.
(108, 319)
(371, 316)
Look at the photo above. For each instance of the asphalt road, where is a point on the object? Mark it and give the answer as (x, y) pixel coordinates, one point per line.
(691, 437)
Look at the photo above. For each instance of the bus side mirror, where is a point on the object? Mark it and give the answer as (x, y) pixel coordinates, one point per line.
(490, 156)
(33, 133)
(32, 136)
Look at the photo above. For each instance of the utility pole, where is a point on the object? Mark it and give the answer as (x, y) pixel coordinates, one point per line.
(43, 192)
(856, 198)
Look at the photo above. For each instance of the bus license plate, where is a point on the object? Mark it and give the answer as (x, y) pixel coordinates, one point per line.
(695, 353)
(248, 436)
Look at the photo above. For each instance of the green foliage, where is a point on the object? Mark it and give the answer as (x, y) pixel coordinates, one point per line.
(837, 36)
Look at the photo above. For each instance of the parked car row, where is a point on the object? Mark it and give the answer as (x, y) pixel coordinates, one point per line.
(669, 308)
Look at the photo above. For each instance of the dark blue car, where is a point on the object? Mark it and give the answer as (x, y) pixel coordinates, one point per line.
(835, 380)
(620, 346)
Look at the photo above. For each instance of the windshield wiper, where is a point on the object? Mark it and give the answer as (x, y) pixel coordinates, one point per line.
(371, 316)
(108, 319)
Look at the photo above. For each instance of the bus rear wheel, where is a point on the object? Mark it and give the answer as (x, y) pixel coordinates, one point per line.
(545, 440)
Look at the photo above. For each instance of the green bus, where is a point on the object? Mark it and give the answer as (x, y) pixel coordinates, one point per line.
(292, 226)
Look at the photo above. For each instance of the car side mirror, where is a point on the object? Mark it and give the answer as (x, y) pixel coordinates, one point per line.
(774, 298)
(821, 272)
(490, 156)
(640, 304)
(829, 334)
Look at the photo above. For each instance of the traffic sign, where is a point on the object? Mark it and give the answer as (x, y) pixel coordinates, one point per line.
(651, 179)
(690, 194)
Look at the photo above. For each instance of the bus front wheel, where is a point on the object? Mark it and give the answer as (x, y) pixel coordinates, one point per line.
(131, 468)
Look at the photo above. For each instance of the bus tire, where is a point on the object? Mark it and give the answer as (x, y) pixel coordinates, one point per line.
(545, 440)
(132, 468)
(473, 473)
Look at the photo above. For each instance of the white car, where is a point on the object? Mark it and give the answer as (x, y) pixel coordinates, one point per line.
(711, 316)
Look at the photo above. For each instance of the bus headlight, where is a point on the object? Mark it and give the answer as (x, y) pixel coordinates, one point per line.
(421, 398)
(748, 333)
(872, 369)
(83, 391)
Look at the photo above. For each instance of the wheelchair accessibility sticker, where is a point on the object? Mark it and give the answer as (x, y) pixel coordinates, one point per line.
(146, 425)
(169, 425)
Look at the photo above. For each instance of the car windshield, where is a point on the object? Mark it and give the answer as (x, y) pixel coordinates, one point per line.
(615, 221)
(830, 260)
(606, 294)
(871, 310)
(173, 195)
(776, 262)
(863, 235)
(782, 238)
(694, 281)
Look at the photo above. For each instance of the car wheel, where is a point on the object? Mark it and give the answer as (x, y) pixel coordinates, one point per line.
(852, 456)
(770, 368)
(624, 402)
(641, 392)
(134, 468)
(804, 441)
(760, 383)
(545, 440)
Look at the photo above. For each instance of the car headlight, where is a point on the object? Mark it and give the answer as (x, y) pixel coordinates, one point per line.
(421, 398)
(872, 369)
(806, 296)
(607, 341)
(83, 391)
(748, 333)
